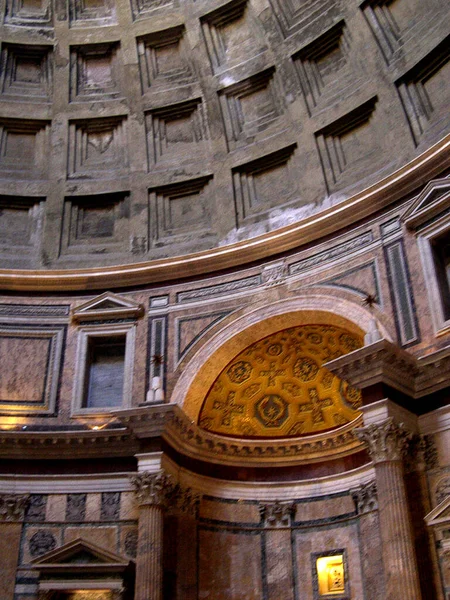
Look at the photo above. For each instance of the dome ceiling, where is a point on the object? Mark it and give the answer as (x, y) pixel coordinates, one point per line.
(277, 387)
(185, 128)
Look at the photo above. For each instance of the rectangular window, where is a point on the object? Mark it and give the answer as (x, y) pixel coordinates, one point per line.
(104, 368)
(104, 372)
(441, 255)
(434, 245)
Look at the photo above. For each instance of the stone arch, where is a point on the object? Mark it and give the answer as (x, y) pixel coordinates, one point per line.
(256, 323)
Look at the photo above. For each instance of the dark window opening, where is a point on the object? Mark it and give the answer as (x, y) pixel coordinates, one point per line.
(441, 255)
(104, 372)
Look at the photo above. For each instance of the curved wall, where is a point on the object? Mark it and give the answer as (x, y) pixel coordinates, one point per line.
(142, 129)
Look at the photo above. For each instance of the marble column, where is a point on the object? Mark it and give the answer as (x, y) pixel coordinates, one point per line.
(387, 443)
(12, 510)
(152, 492)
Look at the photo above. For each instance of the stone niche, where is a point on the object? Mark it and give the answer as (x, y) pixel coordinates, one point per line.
(231, 35)
(147, 8)
(88, 13)
(29, 13)
(400, 27)
(250, 107)
(299, 15)
(349, 147)
(21, 221)
(180, 212)
(260, 184)
(325, 68)
(24, 148)
(26, 72)
(97, 224)
(99, 573)
(95, 72)
(98, 148)
(176, 133)
(31, 360)
(425, 95)
(163, 60)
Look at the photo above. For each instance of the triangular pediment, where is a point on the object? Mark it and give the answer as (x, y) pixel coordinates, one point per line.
(432, 201)
(439, 517)
(107, 306)
(79, 552)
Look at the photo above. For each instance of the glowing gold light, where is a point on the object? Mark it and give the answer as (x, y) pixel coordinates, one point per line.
(330, 571)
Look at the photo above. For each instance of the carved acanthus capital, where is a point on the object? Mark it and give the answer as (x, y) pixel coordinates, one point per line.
(183, 499)
(153, 488)
(277, 514)
(385, 441)
(365, 497)
(12, 506)
(425, 452)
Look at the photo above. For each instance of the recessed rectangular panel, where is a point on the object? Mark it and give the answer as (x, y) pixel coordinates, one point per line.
(30, 360)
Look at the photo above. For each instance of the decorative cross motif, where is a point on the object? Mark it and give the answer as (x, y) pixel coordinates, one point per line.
(315, 406)
(228, 408)
(272, 373)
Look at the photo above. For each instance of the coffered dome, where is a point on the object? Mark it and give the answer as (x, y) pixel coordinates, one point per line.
(138, 130)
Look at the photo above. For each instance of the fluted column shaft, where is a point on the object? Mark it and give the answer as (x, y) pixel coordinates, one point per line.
(386, 444)
(399, 556)
(149, 571)
(152, 491)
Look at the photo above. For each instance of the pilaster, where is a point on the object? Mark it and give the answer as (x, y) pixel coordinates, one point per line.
(387, 443)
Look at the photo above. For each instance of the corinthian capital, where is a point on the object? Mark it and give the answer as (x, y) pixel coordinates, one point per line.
(385, 441)
(153, 488)
(277, 514)
(12, 506)
(365, 497)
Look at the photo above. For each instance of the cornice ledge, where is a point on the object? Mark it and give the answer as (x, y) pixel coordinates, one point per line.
(186, 437)
(147, 421)
(434, 371)
(189, 439)
(43, 443)
(384, 362)
(381, 362)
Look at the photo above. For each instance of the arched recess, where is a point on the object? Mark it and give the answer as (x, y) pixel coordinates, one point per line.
(313, 307)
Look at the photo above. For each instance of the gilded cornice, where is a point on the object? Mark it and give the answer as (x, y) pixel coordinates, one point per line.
(379, 196)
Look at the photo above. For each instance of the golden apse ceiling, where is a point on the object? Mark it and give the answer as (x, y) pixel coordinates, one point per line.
(277, 387)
